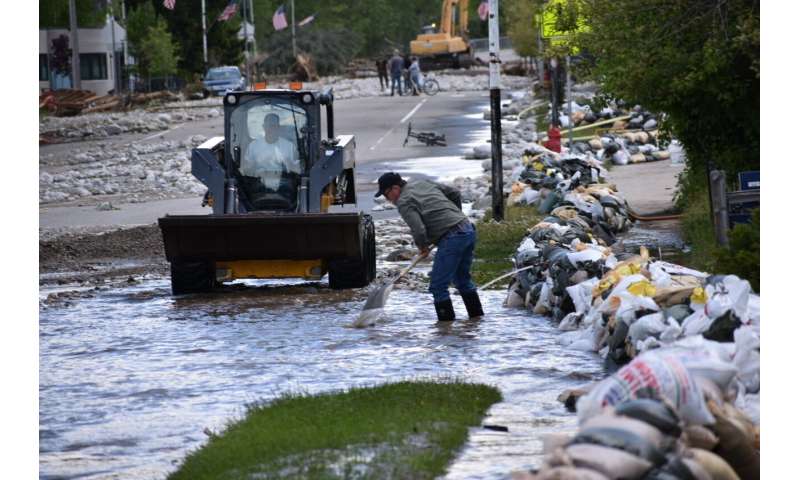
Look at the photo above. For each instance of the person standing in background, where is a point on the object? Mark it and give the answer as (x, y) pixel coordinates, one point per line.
(396, 70)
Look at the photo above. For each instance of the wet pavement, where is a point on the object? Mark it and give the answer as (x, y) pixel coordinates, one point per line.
(130, 378)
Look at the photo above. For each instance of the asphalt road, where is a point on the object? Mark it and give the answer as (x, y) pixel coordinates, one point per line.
(380, 125)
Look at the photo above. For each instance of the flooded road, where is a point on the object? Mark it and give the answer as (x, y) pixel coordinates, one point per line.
(130, 378)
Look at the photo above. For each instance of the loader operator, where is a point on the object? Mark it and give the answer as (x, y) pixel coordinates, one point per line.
(433, 212)
(273, 159)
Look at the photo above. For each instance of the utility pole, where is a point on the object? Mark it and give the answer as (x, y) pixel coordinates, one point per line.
(294, 44)
(246, 50)
(569, 105)
(125, 50)
(205, 42)
(494, 104)
(253, 22)
(113, 49)
(76, 60)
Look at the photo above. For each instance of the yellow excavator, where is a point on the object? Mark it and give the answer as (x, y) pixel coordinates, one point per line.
(449, 47)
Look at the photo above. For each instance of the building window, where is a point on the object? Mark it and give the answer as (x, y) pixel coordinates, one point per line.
(44, 68)
(93, 66)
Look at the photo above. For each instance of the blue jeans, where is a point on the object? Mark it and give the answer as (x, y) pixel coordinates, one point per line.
(452, 263)
(397, 79)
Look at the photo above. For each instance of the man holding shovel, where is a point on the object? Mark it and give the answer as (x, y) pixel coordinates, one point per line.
(433, 212)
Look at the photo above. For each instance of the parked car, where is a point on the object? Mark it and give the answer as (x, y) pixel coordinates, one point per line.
(219, 80)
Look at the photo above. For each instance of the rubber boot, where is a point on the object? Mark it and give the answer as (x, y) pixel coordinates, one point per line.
(444, 310)
(473, 304)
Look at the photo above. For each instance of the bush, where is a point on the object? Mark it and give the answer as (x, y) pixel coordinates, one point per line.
(742, 256)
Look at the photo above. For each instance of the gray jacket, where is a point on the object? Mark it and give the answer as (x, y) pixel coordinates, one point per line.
(430, 209)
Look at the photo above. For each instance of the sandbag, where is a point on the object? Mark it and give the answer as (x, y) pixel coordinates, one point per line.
(650, 375)
(747, 358)
(611, 462)
(636, 427)
(677, 468)
(621, 439)
(737, 440)
(569, 473)
(697, 436)
(716, 467)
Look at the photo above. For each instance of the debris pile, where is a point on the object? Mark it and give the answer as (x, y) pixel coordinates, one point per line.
(78, 102)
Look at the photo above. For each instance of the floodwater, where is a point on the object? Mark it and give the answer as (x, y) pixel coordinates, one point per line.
(130, 378)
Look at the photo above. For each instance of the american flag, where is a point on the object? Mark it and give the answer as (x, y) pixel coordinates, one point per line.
(483, 10)
(307, 20)
(279, 19)
(169, 4)
(229, 11)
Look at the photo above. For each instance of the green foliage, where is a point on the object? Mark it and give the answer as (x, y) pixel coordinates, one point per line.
(496, 241)
(161, 52)
(399, 430)
(139, 20)
(55, 13)
(742, 256)
(522, 25)
(697, 61)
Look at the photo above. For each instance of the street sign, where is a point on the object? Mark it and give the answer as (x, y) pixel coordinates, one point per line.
(750, 180)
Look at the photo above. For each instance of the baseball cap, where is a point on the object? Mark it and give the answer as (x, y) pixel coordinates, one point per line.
(387, 180)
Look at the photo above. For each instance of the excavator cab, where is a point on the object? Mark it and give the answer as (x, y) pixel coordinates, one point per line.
(271, 182)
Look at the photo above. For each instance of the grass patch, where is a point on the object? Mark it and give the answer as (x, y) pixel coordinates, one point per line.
(498, 241)
(400, 430)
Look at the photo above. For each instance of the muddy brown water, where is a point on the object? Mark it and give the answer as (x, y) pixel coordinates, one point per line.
(129, 378)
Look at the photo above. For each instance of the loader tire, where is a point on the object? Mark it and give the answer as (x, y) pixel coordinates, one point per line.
(192, 277)
(355, 272)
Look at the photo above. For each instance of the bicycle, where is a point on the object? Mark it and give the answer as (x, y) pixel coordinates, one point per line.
(430, 86)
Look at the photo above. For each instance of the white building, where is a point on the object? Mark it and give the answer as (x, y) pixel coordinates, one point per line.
(96, 59)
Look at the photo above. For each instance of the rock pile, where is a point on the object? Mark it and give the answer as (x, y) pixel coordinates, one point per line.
(137, 172)
(102, 125)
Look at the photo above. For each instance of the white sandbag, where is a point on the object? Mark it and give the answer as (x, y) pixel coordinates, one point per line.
(530, 196)
(754, 310)
(647, 326)
(674, 269)
(696, 323)
(620, 157)
(588, 255)
(571, 321)
(706, 360)
(747, 357)
(527, 245)
(647, 374)
(658, 275)
(611, 462)
(581, 294)
(732, 294)
(582, 339)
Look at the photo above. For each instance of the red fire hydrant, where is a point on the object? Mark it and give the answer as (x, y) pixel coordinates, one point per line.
(553, 139)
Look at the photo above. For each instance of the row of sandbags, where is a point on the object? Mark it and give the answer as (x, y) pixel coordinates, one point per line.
(570, 188)
(633, 137)
(664, 416)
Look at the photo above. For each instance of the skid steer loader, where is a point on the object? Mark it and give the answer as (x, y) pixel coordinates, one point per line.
(271, 180)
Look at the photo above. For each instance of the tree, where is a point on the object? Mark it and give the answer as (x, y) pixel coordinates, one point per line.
(695, 60)
(162, 57)
(138, 23)
(55, 13)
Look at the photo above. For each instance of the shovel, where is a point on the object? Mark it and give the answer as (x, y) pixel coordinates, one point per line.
(379, 295)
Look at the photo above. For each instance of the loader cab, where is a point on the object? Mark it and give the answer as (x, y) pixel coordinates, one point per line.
(269, 147)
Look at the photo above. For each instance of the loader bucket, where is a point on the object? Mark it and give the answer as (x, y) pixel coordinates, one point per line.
(255, 236)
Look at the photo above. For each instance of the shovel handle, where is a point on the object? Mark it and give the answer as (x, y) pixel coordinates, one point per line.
(413, 263)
